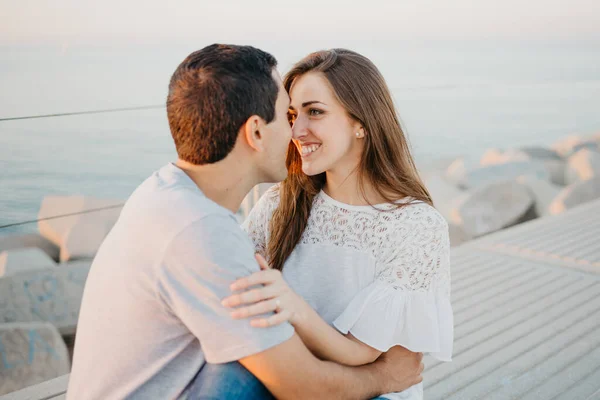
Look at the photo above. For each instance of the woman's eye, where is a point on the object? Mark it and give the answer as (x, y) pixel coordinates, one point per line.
(313, 112)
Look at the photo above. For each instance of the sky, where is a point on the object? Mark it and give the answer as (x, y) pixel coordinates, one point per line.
(72, 22)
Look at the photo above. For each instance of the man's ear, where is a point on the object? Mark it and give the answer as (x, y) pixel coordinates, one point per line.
(251, 130)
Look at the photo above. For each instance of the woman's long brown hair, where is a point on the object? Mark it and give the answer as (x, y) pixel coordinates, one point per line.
(386, 161)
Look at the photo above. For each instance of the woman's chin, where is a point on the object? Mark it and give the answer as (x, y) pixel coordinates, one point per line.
(310, 170)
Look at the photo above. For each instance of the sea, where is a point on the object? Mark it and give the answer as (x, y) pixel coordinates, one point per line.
(454, 99)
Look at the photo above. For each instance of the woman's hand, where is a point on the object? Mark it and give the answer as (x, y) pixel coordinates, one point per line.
(274, 294)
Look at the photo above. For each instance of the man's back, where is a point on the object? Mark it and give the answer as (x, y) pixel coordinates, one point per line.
(154, 289)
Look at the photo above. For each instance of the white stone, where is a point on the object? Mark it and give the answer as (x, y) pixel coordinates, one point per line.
(78, 236)
(582, 166)
(493, 207)
(30, 353)
(576, 194)
(11, 242)
(21, 260)
(542, 191)
(46, 295)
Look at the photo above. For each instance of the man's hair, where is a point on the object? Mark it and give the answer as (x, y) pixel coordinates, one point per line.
(212, 93)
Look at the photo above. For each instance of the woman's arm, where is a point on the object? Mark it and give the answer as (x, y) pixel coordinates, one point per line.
(327, 343)
(274, 294)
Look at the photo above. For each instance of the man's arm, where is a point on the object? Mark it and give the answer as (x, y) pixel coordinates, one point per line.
(198, 268)
(290, 371)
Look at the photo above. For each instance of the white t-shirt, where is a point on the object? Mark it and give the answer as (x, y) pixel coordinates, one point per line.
(383, 276)
(151, 312)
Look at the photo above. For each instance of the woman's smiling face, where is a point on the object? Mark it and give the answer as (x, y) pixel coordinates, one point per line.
(323, 132)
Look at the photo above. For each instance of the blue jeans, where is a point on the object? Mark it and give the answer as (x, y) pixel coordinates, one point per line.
(227, 382)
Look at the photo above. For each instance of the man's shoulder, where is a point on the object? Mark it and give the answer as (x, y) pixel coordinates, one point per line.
(172, 205)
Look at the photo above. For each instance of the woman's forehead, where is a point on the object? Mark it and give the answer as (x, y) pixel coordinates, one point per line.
(310, 87)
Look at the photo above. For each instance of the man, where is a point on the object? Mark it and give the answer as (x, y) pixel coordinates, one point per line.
(151, 315)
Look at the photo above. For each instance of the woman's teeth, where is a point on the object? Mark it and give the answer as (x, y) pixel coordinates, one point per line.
(306, 150)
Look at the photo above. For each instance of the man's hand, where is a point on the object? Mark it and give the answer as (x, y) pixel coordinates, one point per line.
(400, 369)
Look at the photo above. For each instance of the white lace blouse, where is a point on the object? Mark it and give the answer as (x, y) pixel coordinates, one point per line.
(383, 276)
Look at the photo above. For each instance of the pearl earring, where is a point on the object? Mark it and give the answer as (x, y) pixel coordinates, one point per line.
(357, 134)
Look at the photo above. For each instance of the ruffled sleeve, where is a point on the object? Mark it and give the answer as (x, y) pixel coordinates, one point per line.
(408, 304)
(256, 224)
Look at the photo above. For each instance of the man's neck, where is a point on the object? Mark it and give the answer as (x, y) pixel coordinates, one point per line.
(224, 184)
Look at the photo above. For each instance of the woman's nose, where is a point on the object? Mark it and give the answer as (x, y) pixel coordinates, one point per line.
(300, 128)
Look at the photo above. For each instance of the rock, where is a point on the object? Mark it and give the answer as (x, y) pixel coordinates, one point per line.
(576, 194)
(11, 242)
(456, 172)
(47, 295)
(550, 159)
(504, 172)
(564, 147)
(553, 162)
(583, 165)
(540, 153)
(543, 193)
(588, 145)
(30, 353)
(556, 170)
(496, 157)
(443, 193)
(78, 236)
(21, 260)
(493, 207)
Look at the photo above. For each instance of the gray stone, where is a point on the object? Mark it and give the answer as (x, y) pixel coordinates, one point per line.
(540, 156)
(540, 153)
(588, 145)
(583, 165)
(543, 193)
(564, 147)
(576, 194)
(30, 353)
(493, 207)
(456, 172)
(49, 295)
(496, 156)
(556, 170)
(11, 242)
(504, 172)
(22, 260)
(80, 235)
(443, 192)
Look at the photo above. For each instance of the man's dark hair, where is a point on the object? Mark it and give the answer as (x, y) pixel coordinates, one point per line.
(212, 94)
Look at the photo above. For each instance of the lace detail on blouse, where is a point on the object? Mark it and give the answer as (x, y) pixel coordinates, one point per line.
(410, 244)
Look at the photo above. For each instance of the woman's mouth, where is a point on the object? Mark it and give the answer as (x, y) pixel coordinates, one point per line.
(309, 149)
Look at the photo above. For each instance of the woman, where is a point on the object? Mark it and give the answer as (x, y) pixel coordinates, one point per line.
(352, 229)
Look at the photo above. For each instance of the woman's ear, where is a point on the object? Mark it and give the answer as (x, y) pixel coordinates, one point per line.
(359, 131)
